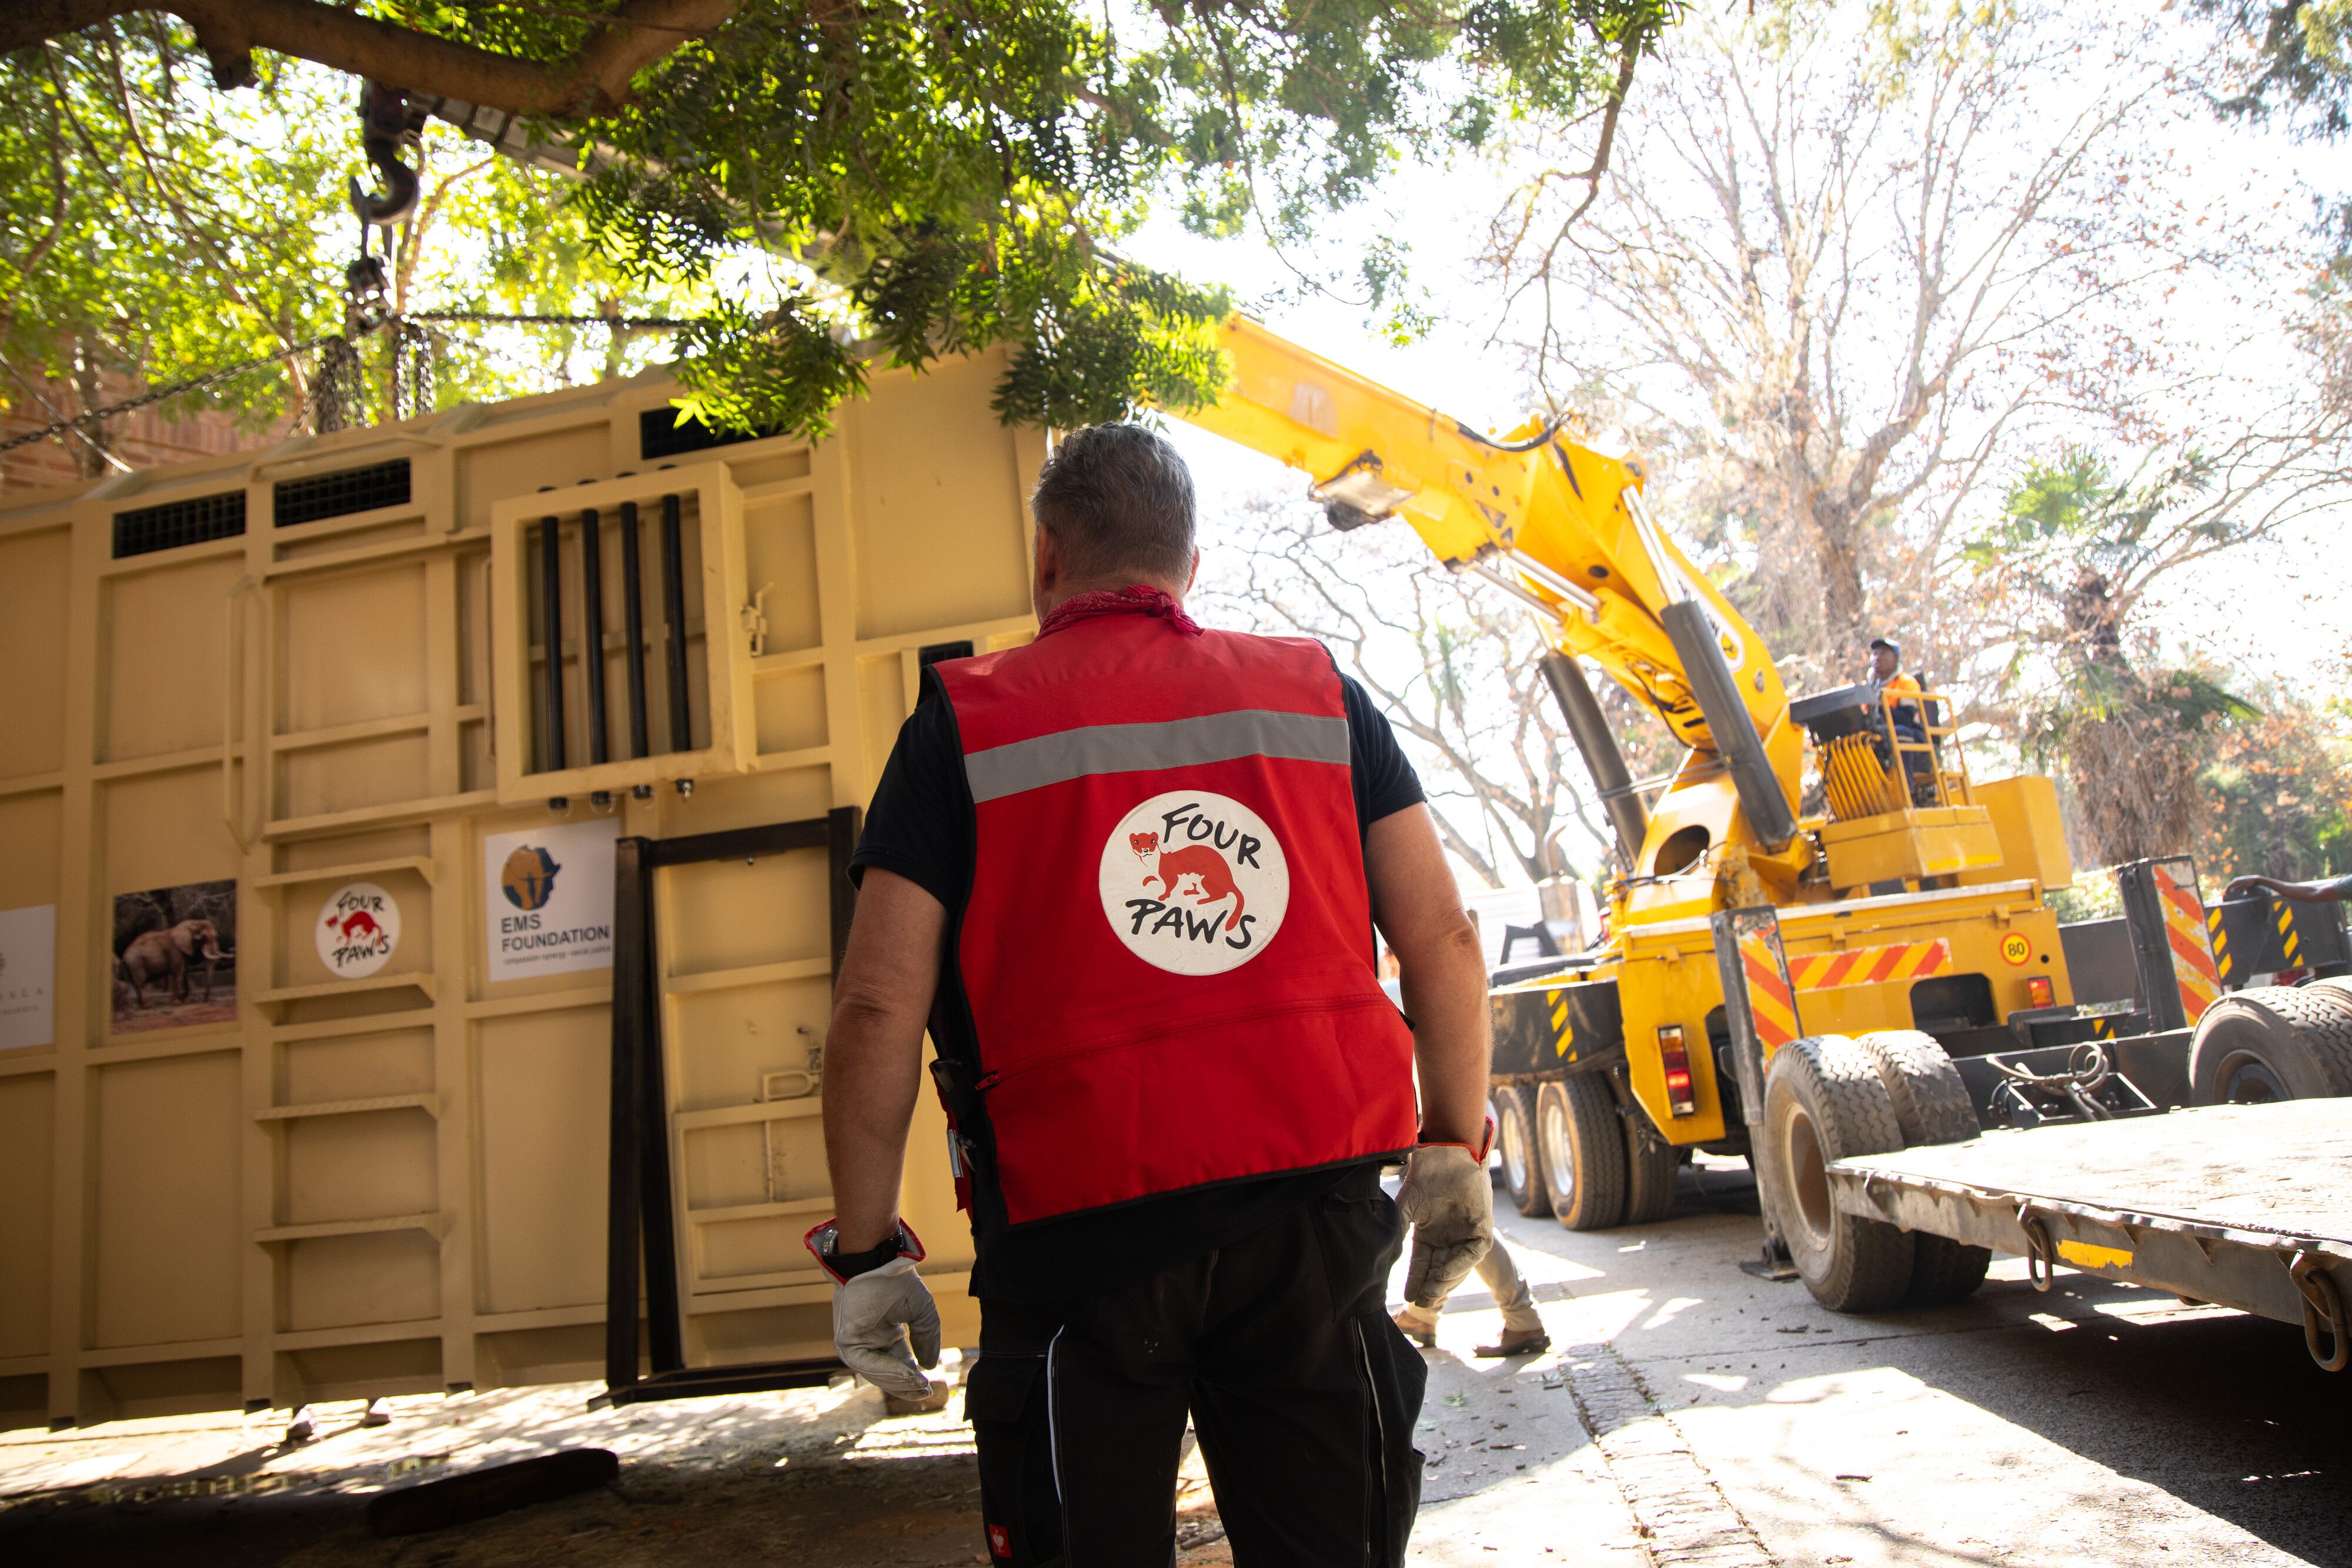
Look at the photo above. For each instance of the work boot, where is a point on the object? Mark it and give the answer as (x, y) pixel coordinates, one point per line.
(1419, 1328)
(1517, 1341)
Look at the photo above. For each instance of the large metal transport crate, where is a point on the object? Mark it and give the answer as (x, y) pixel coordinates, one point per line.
(278, 731)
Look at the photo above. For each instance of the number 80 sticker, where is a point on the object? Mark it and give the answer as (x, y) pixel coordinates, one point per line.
(2015, 948)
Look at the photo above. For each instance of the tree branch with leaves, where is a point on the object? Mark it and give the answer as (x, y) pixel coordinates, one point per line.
(919, 177)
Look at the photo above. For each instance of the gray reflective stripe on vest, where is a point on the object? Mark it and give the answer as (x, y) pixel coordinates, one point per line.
(1002, 771)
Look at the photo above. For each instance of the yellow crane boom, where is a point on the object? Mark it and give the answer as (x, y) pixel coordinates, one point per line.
(1909, 899)
(1564, 528)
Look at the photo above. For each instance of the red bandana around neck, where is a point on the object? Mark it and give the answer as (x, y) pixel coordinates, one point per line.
(1134, 599)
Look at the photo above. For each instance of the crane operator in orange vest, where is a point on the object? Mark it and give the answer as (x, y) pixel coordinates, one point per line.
(1888, 673)
(1128, 876)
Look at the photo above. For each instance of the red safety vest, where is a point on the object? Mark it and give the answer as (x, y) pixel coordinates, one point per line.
(1167, 949)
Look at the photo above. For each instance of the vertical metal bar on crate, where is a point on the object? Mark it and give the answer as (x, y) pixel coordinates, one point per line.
(642, 1219)
(625, 1194)
(665, 1338)
(632, 592)
(551, 588)
(681, 724)
(592, 631)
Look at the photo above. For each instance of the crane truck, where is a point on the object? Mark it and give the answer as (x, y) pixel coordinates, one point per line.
(1821, 990)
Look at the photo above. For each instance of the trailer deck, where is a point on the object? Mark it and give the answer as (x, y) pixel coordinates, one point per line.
(2245, 1205)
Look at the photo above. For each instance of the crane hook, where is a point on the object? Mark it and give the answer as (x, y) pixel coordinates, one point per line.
(384, 123)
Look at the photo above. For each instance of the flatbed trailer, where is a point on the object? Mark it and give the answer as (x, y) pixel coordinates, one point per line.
(2248, 1206)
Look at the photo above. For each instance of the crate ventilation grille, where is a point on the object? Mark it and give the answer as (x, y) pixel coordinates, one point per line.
(176, 523)
(660, 435)
(341, 493)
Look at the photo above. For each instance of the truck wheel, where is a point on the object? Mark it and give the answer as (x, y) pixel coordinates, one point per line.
(1515, 1140)
(1932, 1106)
(2335, 991)
(2271, 1043)
(1652, 1165)
(1823, 1101)
(1944, 1271)
(1583, 1147)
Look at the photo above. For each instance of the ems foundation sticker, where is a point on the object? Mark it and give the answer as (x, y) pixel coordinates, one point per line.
(548, 901)
(1194, 883)
(358, 930)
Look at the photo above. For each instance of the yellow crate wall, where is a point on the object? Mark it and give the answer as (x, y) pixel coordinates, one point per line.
(397, 1182)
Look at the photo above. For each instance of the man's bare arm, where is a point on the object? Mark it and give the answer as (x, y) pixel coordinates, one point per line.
(1418, 910)
(2324, 892)
(874, 1051)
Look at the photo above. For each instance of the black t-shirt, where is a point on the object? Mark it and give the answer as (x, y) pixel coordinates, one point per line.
(921, 827)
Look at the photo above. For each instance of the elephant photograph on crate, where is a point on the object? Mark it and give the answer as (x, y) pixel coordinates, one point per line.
(175, 956)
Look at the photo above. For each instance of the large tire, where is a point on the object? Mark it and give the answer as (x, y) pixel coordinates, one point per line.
(1823, 1101)
(1932, 1106)
(1515, 1140)
(1652, 1167)
(2335, 992)
(2271, 1043)
(1584, 1147)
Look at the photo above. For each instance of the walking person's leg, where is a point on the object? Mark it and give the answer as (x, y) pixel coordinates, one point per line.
(1523, 1326)
(1306, 1395)
(1077, 1411)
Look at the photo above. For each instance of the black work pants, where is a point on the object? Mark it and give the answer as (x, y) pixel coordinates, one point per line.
(1302, 1393)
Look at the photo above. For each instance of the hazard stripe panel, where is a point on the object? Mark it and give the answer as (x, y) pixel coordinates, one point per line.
(2192, 952)
(1871, 965)
(1769, 997)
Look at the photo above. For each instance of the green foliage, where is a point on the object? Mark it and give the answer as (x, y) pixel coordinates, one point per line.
(2301, 53)
(160, 228)
(922, 177)
(2077, 546)
(146, 222)
(2094, 896)
(2072, 509)
(2275, 791)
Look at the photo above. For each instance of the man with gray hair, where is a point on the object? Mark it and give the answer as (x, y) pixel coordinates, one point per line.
(1128, 876)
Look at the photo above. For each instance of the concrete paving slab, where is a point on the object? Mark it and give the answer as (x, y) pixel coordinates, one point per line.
(1688, 1415)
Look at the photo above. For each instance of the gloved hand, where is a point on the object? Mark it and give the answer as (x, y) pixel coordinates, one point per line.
(1450, 1203)
(886, 1327)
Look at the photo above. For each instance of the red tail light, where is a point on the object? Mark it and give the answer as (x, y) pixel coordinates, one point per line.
(2040, 991)
(1682, 1098)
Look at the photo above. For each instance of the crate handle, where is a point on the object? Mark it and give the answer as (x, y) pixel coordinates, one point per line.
(2040, 1252)
(232, 689)
(2323, 1312)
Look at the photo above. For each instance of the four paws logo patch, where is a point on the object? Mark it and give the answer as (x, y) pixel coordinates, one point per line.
(1194, 883)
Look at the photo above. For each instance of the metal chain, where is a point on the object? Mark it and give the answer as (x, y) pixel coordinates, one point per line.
(412, 348)
(157, 394)
(423, 374)
(338, 396)
(495, 319)
(338, 388)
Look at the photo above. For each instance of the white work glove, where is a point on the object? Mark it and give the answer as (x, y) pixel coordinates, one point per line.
(887, 1328)
(1449, 1200)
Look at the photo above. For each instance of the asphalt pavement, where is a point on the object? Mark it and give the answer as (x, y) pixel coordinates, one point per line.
(1688, 1414)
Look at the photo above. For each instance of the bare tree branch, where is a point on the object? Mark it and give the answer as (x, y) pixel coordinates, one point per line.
(594, 81)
